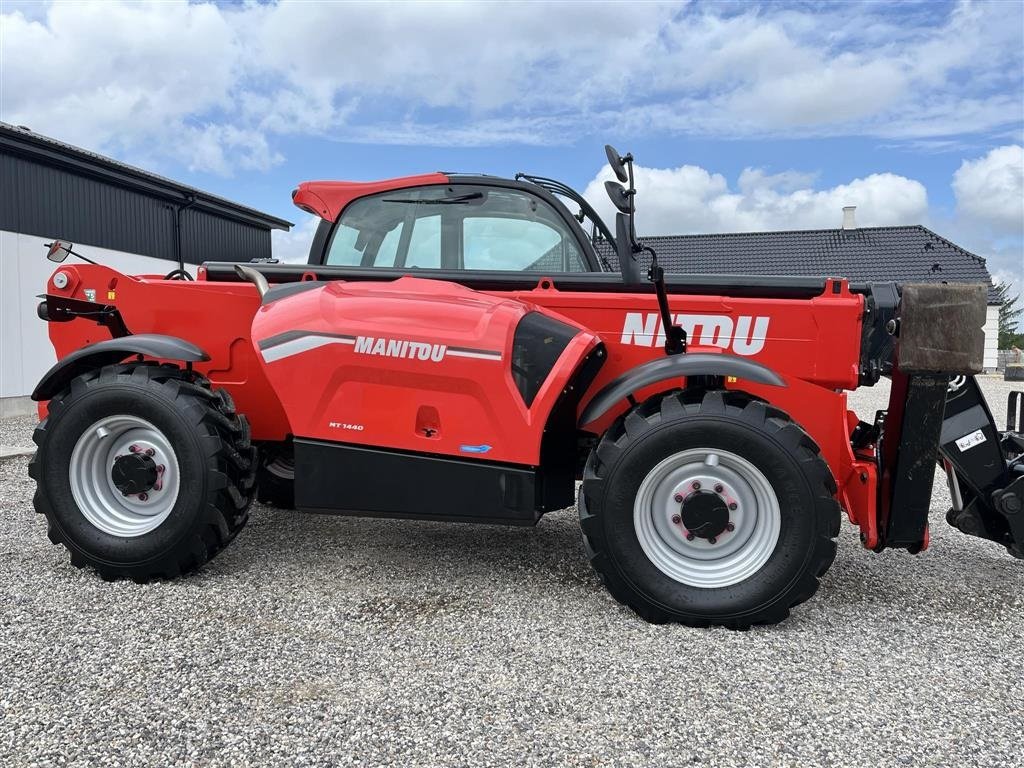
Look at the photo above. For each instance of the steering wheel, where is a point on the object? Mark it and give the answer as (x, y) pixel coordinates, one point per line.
(178, 274)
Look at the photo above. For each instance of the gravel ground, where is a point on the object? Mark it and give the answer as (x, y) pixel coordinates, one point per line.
(326, 640)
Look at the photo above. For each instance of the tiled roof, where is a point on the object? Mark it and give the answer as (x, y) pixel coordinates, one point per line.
(901, 254)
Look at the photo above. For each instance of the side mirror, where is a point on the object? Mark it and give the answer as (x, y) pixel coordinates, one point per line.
(628, 263)
(619, 196)
(616, 162)
(58, 251)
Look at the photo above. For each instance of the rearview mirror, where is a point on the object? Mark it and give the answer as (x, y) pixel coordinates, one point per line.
(616, 162)
(58, 251)
(619, 196)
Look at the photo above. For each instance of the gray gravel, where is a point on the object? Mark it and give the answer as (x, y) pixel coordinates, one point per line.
(325, 640)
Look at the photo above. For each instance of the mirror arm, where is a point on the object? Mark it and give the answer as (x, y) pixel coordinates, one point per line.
(675, 336)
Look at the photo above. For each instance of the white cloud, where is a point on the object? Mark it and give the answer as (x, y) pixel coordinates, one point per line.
(214, 86)
(691, 199)
(294, 246)
(991, 189)
(125, 77)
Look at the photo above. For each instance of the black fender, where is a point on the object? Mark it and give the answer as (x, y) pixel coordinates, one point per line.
(114, 351)
(675, 367)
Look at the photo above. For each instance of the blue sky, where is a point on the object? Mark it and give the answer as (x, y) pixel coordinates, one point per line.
(742, 115)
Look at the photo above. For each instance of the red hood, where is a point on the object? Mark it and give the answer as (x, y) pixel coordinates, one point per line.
(326, 199)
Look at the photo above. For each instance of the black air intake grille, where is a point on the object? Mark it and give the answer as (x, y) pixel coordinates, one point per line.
(537, 344)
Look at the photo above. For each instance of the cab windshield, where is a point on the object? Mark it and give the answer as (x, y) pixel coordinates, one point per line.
(455, 227)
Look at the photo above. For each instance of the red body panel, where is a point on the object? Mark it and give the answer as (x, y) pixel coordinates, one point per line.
(215, 316)
(792, 336)
(414, 364)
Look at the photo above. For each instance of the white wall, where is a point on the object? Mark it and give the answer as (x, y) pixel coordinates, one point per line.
(25, 349)
(991, 338)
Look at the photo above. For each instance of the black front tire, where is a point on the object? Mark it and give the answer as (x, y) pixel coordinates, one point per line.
(210, 442)
(782, 452)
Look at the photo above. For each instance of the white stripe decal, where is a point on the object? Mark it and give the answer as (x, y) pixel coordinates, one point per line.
(303, 344)
(477, 355)
(315, 341)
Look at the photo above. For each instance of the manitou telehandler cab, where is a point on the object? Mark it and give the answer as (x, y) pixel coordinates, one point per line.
(459, 349)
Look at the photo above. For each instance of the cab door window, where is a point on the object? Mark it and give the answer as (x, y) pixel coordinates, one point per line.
(456, 227)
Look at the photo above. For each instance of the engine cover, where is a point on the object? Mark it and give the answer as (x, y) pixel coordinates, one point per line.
(416, 365)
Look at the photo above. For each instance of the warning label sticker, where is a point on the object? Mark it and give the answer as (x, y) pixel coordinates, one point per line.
(977, 437)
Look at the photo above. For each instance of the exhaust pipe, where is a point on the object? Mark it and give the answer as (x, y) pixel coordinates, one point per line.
(251, 275)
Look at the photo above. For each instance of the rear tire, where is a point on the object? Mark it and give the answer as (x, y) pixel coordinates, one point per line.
(149, 530)
(736, 471)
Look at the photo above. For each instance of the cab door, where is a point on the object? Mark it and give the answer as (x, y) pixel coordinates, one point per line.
(454, 228)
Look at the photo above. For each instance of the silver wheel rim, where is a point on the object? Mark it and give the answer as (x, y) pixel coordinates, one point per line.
(92, 483)
(736, 554)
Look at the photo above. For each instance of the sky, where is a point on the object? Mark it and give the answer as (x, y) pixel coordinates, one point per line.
(742, 116)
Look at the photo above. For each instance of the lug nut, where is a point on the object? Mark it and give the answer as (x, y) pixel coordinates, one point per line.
(159, 467)
(158, 485)
(676, 519)
(712, 540)
(730, 527)
(733, 505)
(719, 488)
(678, 497)
(143, 496)
(150, 451)
(696, 485)
(133, 448)
(690, 536)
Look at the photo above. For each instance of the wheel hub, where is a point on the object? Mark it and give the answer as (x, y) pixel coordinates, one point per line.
(124, 475)
(706, 517)
(705, 514)
(134, 473)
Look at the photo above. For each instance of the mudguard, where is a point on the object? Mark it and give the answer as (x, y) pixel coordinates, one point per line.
(675, 367)
(114, 351)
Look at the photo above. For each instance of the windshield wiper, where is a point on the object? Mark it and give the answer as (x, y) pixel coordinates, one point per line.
(440, 201)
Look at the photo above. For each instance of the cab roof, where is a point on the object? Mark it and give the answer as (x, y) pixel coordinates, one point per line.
(327, 199)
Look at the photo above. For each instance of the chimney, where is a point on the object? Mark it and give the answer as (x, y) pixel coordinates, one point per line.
(849, 222)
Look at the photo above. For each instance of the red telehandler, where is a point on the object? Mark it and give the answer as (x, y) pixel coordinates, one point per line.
(459, 348)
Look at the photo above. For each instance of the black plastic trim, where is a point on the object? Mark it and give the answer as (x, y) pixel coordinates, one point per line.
(361, 480)
(283, 291)
(114, 351)
(560, 453)
(537, 344)
(675, 367)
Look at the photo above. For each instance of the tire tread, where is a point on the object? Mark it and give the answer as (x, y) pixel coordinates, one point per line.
(683, 404)
(229, 454)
